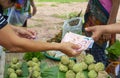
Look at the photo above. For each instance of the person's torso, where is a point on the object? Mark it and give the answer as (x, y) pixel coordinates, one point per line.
(107, 4)
(22, 6)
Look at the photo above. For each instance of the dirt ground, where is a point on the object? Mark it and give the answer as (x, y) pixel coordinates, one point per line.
(47, 25)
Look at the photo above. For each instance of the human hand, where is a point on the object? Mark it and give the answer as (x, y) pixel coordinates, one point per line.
(97, 31)
(70, 49)
(26, 33)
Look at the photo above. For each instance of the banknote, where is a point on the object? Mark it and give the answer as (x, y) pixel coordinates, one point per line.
(83, 41)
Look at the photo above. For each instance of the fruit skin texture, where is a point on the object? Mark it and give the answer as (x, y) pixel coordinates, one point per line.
(71, 64)
(91, 67)
(92, 74)
(14, 60)
(13, 75)
(19, 72)
(65, 60)
(10, 70)
(84, 65)
(89, 59)
(35, 74)
(99, 67)
(80, 75)
(70, 74)
(77, 68)
(35, 60)
(63, 68)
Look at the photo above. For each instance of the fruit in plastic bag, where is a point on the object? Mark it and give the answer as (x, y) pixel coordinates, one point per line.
(80, 75)
(65, 60)
(70, 74)
(92, 74)
(89, 59)
(99, 67)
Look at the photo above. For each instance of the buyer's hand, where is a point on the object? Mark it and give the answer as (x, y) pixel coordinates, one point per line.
(25, 33)
(70, 49)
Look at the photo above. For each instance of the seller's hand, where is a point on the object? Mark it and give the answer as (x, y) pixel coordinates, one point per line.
(70, 49)
(97, 31)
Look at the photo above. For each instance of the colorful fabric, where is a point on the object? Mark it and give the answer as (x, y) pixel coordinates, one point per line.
(3, 21)
(97, 13)
(23, 6)
(107, 4)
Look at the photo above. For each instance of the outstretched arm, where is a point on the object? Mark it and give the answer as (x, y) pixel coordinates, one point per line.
(97, 31)
(12, 42)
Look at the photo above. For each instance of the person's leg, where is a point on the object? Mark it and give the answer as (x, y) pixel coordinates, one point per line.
(25, 24)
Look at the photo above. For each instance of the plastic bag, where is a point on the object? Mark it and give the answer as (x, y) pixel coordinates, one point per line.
(72, 25)
(16, 18)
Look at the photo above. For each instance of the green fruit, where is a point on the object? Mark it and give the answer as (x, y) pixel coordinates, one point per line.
(80, 75)
(13, 75)
(71, 64)
(77, 68)
(99, 67)
(35, 60)
(30, 63)
(63, 68)
(89, 59)
(35, 74)
(36, 68)
(92, 74)
(91, 67)
(84, 65)
(30, 69)
(14, 66)
(14, 60)
(18, 65)
(70, 74)
(65, 60)
(10, 70)
(19, 72)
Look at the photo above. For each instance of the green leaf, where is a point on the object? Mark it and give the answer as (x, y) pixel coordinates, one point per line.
(114, 50)
(51, 72)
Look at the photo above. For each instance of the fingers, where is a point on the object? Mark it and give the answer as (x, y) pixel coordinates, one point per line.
(89, 29)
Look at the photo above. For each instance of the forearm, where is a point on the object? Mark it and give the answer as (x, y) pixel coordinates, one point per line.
(12, 42)
(112, 28)
(31, 45)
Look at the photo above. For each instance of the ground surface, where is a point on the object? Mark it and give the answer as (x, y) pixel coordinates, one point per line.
(47, 25)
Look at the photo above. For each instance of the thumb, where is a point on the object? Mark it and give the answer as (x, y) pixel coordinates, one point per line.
(89, 29)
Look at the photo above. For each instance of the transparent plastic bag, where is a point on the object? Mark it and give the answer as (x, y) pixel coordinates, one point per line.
(16, 18)
(72, 25)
